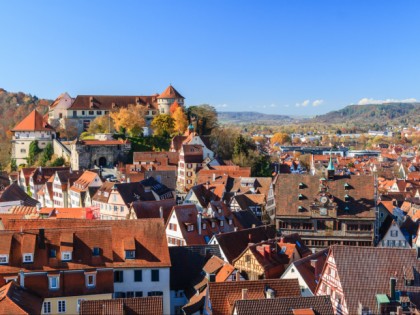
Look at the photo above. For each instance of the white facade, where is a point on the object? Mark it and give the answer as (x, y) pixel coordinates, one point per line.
(173, 232)
(128, 286)
(22, 139)
(293, 273)
(59, 111)
(394, 238)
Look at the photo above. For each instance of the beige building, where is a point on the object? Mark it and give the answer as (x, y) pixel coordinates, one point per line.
(31, 128)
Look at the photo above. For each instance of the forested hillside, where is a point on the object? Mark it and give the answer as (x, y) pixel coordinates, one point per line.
(380, 115)
(13, 108)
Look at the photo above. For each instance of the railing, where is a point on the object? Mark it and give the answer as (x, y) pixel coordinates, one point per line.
(303, 232)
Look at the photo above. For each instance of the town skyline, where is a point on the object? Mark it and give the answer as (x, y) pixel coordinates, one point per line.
(283, 58)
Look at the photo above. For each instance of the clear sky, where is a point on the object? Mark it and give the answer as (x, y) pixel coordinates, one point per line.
(282, 57)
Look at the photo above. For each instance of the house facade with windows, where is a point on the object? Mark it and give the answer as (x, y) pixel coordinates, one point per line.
(68, 261)
(88, 180)
(31, 128)
(394, 237)
(327, 211)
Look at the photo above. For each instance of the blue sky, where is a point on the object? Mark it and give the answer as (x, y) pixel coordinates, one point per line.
(281, 57)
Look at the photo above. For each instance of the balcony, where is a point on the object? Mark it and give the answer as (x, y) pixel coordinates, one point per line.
(329, 233)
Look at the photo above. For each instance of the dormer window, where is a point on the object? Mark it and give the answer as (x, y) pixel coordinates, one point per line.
(346, 197)
(95, 251)
(130, 254)
(204, 226)
(28, 258)
(190, 228)
(53, 282)
(301, 185)
(90, 279)
(300, 197)
(53, 253)
(300, 209)
(346, 186)
(65, 256)
(221, 223)
(4, 259)
(213, 224)
(230, 221)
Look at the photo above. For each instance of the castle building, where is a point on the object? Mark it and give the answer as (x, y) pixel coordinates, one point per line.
(31, 128)
(85, 108)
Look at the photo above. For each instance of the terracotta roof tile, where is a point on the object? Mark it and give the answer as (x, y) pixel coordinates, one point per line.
(33, 122)
(131, 306)
(108, 102)
(170, 92)
(18, 301)
(223, 295)
(313, 305)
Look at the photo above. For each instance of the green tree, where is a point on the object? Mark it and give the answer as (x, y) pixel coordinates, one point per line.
(58, 162)
(223, 141)
(204, 118)
(13, 165)
(261, 166)
(33, 152)
(163, 125)
(46, 154)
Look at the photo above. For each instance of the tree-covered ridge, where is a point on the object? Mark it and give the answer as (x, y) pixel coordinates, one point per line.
(13, 108)
(399, 113)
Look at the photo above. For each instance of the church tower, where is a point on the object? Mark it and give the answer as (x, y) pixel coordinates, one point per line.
(330, 169)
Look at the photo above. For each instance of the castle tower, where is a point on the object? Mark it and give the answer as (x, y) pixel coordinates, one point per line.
(167, 98)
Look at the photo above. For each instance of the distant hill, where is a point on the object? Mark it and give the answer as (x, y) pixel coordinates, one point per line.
(383, 114)
(13, 108)
(252, 117)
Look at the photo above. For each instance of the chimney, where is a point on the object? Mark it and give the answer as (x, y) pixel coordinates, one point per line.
(199, 223)
(238, 276)
(22, 278)
(41, 239)
(128, 180)
(244, 294)
(270, 293)
(249, 237)
(253, 226)
(399, 310)
(161, 212)
(91, 102)
(214, 177)
(235, 229)
(392, 286)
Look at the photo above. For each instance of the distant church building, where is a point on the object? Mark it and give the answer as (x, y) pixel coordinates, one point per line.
(85, 108)
(32, 127)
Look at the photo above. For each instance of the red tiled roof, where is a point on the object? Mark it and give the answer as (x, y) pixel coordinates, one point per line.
(33, 122)
(18, 301)
(170, 92)
(319, 305)
(223, 295)
(152, 305)
(111, 102)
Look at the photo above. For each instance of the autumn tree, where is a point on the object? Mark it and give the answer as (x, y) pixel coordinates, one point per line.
(174, 107)
(180, 120)
(129, 119)
(280, 138)
(101, 124)
(163, 125)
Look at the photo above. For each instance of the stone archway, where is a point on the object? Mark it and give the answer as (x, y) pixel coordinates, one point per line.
(102, 161)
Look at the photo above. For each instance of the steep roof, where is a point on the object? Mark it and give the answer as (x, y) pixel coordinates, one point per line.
(369, 270)
(320, 305)
(170, 92)
(14, 193)
(152, 305)
(188, 262)
(234, 243)
(33, 122)
(223, 295)
(18, 301)
(360, 190)
(151, 209)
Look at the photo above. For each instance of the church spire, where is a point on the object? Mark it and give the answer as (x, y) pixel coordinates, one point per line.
(330, 169)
